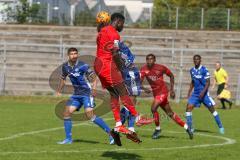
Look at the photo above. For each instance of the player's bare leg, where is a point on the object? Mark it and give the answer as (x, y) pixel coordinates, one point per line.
(168, 110)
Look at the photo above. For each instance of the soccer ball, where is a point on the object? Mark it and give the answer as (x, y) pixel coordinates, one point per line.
(103, 17)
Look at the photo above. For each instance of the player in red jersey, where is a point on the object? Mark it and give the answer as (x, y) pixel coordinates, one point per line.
(107, 65)
(154, 74)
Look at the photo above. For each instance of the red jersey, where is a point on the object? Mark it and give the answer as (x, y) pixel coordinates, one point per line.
(155, 78)
(104, 65)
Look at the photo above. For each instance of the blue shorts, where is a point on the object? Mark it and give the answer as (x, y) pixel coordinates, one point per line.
(77, 101)
(196, 101)
(132, 81)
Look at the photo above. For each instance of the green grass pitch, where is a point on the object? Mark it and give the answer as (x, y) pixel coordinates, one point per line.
(29, 130)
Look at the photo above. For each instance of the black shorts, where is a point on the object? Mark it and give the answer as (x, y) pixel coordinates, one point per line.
(220, 88)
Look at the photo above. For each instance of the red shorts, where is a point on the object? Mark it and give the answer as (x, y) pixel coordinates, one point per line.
(162, 99)
(108, 73)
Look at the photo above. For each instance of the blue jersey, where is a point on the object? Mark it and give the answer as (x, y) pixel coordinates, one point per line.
(130, 73)
(126, 54)
(199, 78)
(78, 76)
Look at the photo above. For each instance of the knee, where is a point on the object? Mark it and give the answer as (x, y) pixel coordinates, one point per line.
(66, 114)
(189, 108)
(90, 115)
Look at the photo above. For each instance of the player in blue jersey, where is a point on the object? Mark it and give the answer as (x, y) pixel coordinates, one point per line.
(80, 76)
(132, 80)
(200, 84)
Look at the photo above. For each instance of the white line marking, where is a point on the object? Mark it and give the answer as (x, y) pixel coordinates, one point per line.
(228, 141)
(42, 131)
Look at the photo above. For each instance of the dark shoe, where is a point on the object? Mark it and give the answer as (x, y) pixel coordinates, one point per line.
(190, 133)
(133, 137)
(116, 137)
(156, 134)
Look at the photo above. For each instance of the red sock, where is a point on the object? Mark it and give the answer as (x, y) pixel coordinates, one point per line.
(127, 102)
(115, 106)
(156, 118)
(178, 120)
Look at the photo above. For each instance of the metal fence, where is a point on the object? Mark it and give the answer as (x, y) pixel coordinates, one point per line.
(178, 59)
(64, 13)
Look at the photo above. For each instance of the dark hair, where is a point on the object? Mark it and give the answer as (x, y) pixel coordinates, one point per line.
(197, 55)
(152, 55)
(72, 49)
(116, 16)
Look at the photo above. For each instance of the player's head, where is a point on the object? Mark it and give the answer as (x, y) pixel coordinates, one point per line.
(197, 60)
(150, 59)
(102, 19)
(72, 54)
(218, 65)
(117, 21)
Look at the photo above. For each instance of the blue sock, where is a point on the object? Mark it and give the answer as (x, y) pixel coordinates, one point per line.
(99, 121)
(124, 114)
(131, 120)
(189, 119)
(68, 128)
(217, 119)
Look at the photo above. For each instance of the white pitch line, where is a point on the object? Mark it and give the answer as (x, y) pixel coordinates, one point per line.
(228, 141)
(42, 131)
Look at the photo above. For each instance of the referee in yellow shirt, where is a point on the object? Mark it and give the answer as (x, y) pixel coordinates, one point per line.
(221, 78)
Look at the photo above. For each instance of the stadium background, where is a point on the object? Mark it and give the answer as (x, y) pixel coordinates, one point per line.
(38, 50)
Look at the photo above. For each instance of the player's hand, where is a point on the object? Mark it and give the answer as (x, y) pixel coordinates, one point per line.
(172, 94)
(201, 95)
(94, 92)
(225, 86)
(58, 94)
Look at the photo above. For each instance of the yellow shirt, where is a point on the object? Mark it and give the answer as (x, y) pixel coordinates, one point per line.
(220, 76)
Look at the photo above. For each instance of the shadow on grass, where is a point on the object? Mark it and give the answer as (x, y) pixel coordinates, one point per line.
(84, 141)
(121, 156)
(162, 136)
(203, 131)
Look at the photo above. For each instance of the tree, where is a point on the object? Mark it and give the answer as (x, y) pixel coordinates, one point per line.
(189, 16)
(24, 12)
